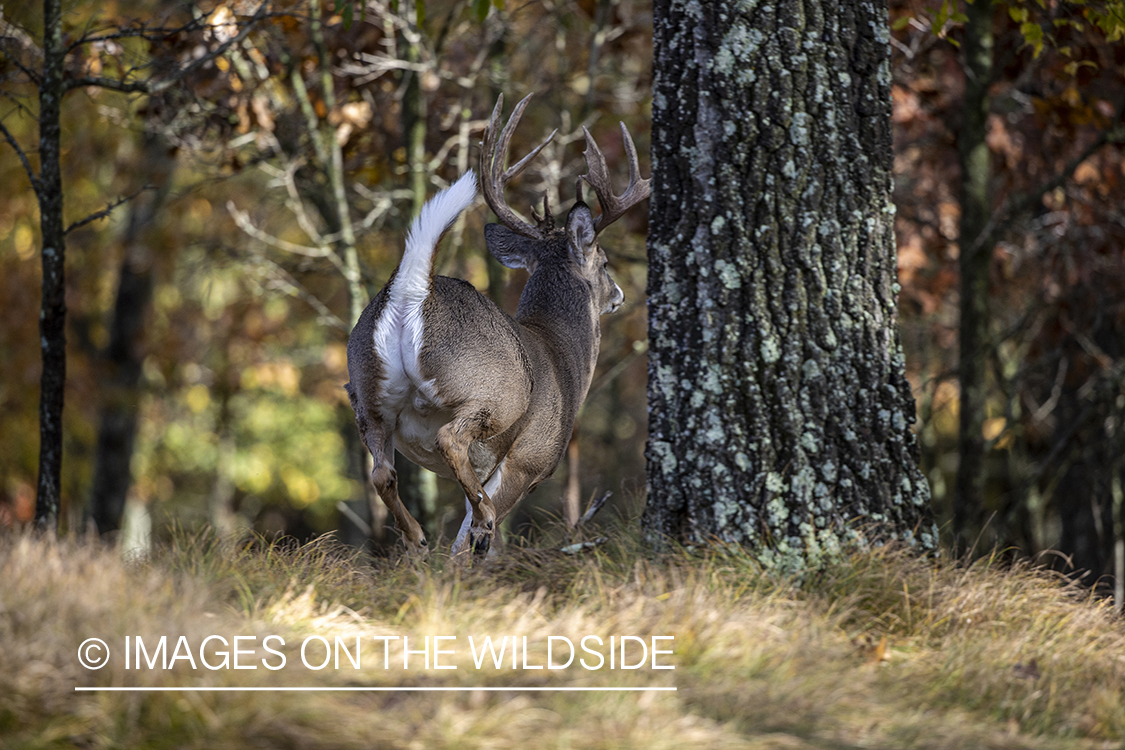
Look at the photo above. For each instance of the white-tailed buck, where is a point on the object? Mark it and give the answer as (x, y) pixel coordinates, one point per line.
(458, 386)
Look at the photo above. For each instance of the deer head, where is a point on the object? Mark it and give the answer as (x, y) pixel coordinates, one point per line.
(518, 244)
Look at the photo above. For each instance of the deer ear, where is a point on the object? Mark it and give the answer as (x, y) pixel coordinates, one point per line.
(511, 249)
(580, 233)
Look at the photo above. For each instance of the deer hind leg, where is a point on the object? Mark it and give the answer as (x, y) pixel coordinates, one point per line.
(453, 442)
(380, 442)
(508, 484)
(385, 479)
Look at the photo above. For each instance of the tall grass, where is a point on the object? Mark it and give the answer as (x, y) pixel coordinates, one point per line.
(878, 649)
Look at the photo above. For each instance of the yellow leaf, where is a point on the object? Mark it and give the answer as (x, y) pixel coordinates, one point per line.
(992, 428)
(198, 398)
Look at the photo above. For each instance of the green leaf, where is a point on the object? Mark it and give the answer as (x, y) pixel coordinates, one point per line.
(420, 12)
(1072, 67)
(1019, 15)
(480, 9)
(498, 4)
(941, 17)
(1033, 36)
(349, 14)
(901, 23)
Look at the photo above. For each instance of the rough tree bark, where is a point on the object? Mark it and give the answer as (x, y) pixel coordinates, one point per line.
(779, 413)
(52, 313)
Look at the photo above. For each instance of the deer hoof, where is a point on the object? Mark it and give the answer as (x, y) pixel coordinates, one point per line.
(480, 543)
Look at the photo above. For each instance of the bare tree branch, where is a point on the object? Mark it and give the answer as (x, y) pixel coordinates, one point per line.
(31, 74)
(147, 33)
(297, 205)
(1015, 206)
(283, 281)
(594, 507)
(20, 107)
(242, 219)
(113, 84)
(22, 156)
(149, 87)
(259, 15)
(11, 33)
(107, 210)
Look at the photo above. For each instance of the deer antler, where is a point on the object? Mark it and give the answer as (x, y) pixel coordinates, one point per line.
(494, 151)
(598, 177)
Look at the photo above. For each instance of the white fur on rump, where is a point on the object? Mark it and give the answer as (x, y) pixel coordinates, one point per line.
(398, 333)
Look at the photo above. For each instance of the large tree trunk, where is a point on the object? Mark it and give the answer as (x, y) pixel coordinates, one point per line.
(123, 358)
(52, 314)
(779, 413)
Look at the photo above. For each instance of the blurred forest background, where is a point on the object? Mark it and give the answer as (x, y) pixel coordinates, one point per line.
(272, 184)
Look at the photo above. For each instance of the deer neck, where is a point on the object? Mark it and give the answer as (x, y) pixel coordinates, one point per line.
(556, 308)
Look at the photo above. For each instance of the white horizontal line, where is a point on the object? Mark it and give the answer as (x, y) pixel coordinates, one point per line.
(371, 689)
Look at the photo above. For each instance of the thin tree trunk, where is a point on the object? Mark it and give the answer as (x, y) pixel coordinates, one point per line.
(52, 315)
(123, 358)
(414, 123)
(779, 413)
(1118, 499)
(336, 214)
(416, 490)
(499, 78)
(974, 262)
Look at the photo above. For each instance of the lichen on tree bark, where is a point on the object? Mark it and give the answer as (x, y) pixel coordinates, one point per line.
(780, 415)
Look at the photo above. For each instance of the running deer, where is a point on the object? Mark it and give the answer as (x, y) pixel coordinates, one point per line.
(458, 386)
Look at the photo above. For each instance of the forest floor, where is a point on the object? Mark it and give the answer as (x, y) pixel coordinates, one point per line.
(879, 649)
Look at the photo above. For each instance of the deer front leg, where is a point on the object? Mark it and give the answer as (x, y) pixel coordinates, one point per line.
(453, 442)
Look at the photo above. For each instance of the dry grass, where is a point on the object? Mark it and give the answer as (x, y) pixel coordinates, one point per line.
(983, 656)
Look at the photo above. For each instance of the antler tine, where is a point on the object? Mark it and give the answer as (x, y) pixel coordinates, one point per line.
(546, 220)
(597, 175)
(493, 153)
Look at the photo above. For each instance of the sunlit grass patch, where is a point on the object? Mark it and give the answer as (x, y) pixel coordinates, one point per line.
(879, 648)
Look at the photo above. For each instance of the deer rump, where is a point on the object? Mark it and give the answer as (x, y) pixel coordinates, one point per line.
(473, 348)
(456, 385)
(440, 345)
